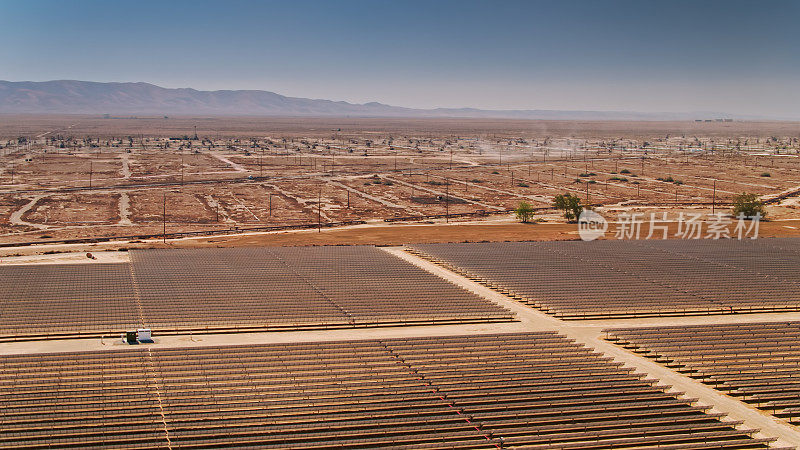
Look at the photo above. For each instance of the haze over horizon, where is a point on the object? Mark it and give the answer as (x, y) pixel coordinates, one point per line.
(734, 57)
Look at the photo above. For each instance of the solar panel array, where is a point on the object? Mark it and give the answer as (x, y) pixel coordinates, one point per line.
(531, 390)
(232, 289)
(612, 279)
(296, 287)
(75, 299)
(757, 362)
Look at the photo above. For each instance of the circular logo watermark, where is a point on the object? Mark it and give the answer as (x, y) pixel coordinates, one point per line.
(591, 225)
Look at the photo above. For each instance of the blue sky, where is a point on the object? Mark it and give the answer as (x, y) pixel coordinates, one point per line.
(731, 56)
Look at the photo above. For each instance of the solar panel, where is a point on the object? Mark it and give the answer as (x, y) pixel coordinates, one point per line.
(612, 279)
(537, 390)
(207, 290)
(69, 299)
(757, 362)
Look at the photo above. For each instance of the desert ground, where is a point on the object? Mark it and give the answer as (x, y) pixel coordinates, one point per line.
(82, 178)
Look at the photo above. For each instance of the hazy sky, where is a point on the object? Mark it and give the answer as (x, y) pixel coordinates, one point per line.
(730, 56)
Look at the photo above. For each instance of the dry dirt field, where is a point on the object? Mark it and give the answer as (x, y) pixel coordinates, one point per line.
(78, 177)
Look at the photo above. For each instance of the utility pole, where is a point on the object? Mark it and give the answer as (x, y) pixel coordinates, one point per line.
(270, 204)
(319, 211)
(182, 164)
(90, 174)
(587, 192)
(348, 199)
(164, 217)
(447, 200)
(714, 199)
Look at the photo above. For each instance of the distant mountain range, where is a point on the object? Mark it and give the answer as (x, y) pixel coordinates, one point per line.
(86, 97)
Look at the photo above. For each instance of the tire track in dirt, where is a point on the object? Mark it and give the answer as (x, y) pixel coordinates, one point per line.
(435, 192)
(124, 210)
(308, 205)
(227, 161)
(16, 216)
(382, 201)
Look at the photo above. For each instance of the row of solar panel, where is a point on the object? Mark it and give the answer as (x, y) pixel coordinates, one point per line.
(531, 390)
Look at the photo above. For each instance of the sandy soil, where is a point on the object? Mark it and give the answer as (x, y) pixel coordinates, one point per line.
(97, 177)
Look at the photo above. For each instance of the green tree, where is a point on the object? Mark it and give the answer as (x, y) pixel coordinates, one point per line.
(524, 212)
(749, 205)
(570, 205)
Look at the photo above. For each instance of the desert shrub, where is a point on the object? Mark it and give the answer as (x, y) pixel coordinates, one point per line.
(570, 205)
(524, 212)
(749, 205)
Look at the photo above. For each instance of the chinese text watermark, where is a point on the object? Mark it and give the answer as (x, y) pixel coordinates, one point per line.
(655, 225)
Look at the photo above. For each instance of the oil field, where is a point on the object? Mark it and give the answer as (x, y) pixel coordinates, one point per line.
(327, 225)
(81, 178)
